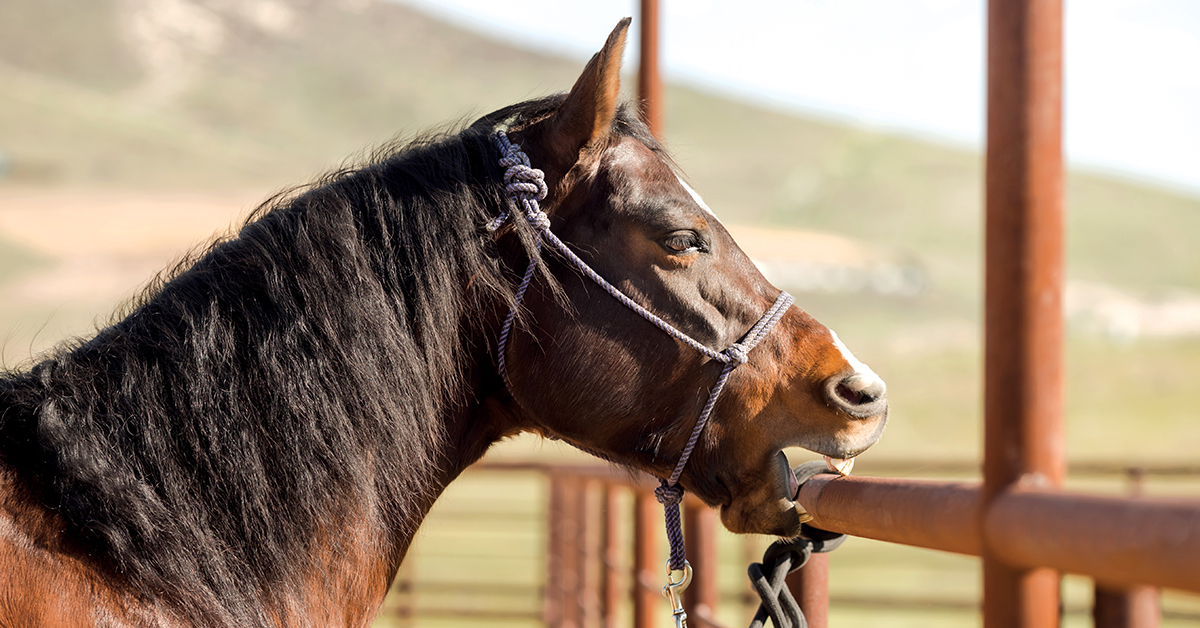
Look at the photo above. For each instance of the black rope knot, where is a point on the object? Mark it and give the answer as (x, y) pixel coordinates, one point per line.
(769, 578)
(667, 494)
(670, 496)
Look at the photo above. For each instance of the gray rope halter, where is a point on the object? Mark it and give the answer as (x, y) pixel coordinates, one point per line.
(525, 186)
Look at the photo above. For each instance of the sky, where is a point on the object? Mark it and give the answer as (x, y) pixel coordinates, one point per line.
(1131, 67)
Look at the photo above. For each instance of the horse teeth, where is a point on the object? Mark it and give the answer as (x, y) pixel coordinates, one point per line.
(841, 466)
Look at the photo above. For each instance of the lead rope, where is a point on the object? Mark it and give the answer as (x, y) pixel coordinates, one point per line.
(525, 186)
(769, 578)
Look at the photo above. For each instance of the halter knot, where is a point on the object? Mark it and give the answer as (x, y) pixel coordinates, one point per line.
(521, 180)
(668, 494)
(536, 216)
(737, 352)
(520, 177)
(523, 184)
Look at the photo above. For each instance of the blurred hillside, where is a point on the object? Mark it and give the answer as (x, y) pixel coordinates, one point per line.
(219, 94)
(101, 97)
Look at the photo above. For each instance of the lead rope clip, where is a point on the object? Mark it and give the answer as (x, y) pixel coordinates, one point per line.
(674, 591)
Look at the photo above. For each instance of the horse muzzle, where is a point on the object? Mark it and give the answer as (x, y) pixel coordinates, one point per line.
(861, 395)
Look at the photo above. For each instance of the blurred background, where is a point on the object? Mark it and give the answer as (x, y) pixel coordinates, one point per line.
(839, 141)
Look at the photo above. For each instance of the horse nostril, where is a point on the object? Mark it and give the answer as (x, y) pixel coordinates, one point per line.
(858, 391)
(853, 397)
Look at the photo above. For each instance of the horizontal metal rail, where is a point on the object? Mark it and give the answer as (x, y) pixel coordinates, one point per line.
(924, 604)
(1117, 541)
(1075, 470)
(873, 466)
(923, 513)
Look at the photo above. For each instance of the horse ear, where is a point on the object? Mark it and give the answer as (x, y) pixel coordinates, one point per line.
(586, 116)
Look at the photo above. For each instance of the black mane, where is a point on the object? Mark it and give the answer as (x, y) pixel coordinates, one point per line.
(277, 381)
(291, 373)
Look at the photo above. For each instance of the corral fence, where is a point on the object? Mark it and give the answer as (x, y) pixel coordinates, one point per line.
(1018, 520)
(1026, 529)
(584, 548)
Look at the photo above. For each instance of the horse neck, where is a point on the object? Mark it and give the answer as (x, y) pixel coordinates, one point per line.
(468, 431)
(470, 417)
(363, 417)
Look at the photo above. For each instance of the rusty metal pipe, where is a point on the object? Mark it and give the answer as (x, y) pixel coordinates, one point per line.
(1135, 607)
(571, 581)
(700, 530)
(612, 556)
(648, 565)
(649, 81)
(1023, 391)
(810, 586)
(1117, 541)
(591, 563)
(1023, 383)
(934, 515)
(552, 611)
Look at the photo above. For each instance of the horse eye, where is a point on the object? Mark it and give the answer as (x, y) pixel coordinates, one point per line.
(683, 242)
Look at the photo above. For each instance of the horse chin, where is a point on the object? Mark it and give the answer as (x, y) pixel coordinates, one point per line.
(767, 507)
(780, 517)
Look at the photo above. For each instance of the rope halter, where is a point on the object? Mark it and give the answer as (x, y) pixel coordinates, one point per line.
(525, 186)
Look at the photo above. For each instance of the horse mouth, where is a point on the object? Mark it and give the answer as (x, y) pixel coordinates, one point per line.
(793, 484)
(839, 466)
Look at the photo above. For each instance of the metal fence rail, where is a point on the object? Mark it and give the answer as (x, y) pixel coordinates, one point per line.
(1117, 541)
(1025, 528)
(603, 554)
(1017, 520)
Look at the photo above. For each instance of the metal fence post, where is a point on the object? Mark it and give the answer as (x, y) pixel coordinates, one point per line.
(1023, 337)
(700, 530)
(556, 512)
(576, 555)
(1127, 607)
(649, 82)
(613, 557)
(647, 570)
(810, 586)
(591, 557)
(1135, 607)
(648, 565)
(564, 591)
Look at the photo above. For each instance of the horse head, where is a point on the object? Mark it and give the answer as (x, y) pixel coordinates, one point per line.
(585, 368)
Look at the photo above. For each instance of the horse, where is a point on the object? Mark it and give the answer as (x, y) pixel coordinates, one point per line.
(256, 438)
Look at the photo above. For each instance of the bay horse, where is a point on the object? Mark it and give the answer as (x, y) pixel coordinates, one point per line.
(256, 440)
